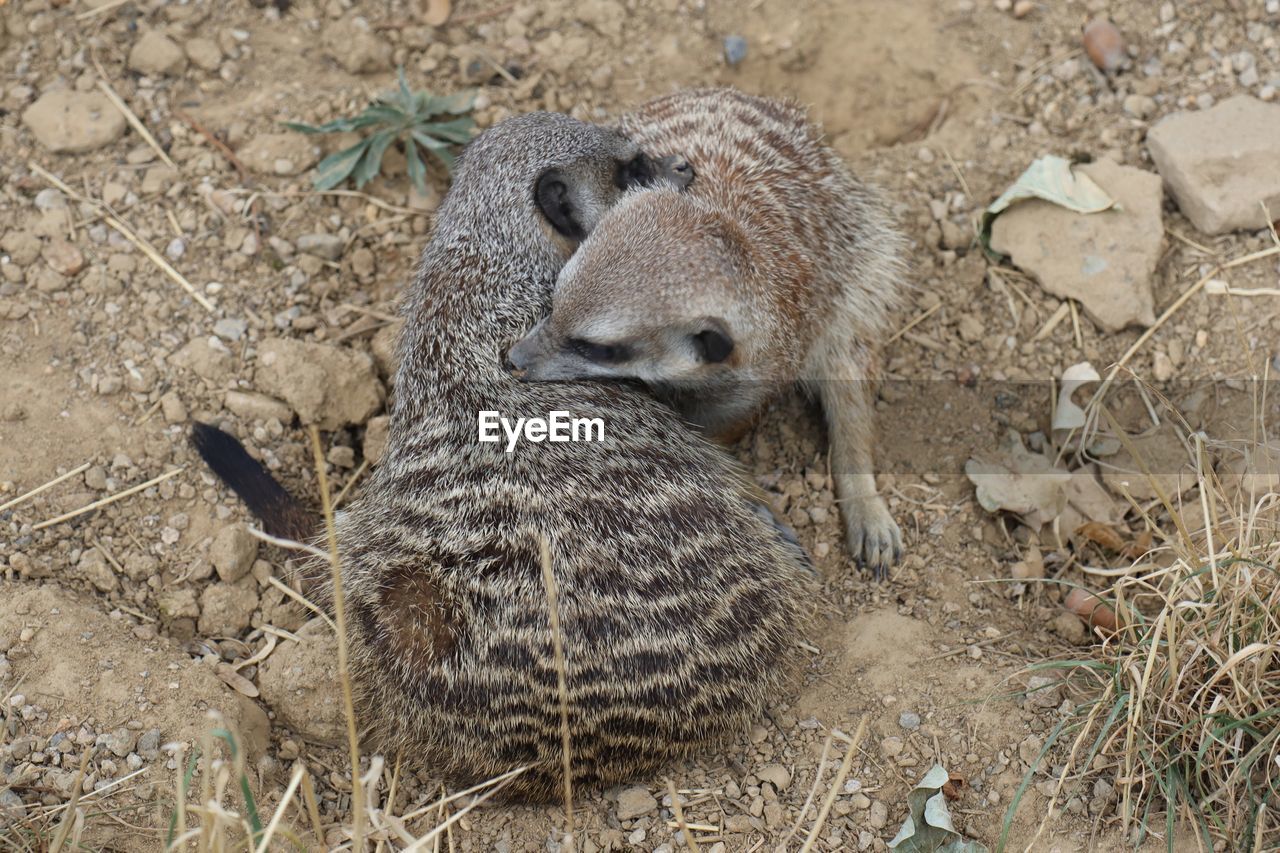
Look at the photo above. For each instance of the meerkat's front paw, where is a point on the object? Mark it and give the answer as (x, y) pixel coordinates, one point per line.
(873, 537)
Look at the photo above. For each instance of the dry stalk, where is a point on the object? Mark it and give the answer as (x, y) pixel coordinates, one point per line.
(557, 645)
(66, 516)
(340, 620)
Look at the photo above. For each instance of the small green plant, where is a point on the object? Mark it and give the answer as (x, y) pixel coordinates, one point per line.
(402, 116)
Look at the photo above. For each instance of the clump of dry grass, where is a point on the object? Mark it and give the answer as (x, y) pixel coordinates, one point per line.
(1183, 707)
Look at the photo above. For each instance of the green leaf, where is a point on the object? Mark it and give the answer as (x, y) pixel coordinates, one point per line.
(406, 99)
(436, 147)
(371, 162)
(417, 168)
(335, 168)
(458, 130)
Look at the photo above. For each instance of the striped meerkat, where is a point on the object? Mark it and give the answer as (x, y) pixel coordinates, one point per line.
(679, 600)
(776, 266)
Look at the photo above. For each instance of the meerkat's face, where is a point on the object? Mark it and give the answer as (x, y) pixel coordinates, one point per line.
(649, 297)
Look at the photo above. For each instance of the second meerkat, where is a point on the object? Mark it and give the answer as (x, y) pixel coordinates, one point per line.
(776, 265)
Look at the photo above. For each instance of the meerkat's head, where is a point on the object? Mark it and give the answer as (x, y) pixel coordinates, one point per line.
(652, 295)
(571, 172)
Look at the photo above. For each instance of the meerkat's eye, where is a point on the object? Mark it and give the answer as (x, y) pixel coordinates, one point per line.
(599, 353)
(712, 346)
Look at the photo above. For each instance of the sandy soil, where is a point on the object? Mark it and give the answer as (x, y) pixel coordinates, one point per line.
(118, 622)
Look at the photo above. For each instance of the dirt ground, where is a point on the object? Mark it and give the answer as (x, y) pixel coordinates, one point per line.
(123, 627)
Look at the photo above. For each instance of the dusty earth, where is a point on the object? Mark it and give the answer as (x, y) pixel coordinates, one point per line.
(122, 628)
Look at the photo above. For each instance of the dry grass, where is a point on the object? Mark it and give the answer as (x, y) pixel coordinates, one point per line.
(1182, 712)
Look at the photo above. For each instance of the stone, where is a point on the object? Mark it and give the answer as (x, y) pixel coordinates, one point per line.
(776, 775)
(363, 263)
(299, 681)
(1222, 164)
(95, 569)
(634, 802)
(327, 246)
(172, 408)
(225, 609)
(253, 406)
(375, 439)
(328, 386)
(1104, 260)
(285, 154)
(1069, 627)
(22, 247)
(63, 257)
(1044, 691)
(230, 328)
(157, 54)
(208, 358)
(356, 48)
(204, 53)
(67, 122)
(232, 553)
(735, 50)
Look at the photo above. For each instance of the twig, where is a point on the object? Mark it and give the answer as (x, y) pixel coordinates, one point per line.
(836, 784)
(364, 466)
(108, 500)
(135, 122)
(38, 489)
(373, 200)
(920, 318)
(217, 143)
(147, 249)
(99, 10)
(344, 672)
(679, 813)
(298, 773)
(1064, 308)
(69, 818)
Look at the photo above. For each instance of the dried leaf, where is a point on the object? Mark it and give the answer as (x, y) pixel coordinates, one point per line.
(1021, 482)
(1102, 534)
(928, 827)
(236, 681)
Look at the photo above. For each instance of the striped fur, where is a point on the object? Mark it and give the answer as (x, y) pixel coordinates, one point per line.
(679, 602)
(777, 245)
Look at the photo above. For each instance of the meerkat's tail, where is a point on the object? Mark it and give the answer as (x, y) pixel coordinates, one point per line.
(280, 513)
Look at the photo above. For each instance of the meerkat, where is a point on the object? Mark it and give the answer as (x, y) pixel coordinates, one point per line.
(680, 602)
(777, 265)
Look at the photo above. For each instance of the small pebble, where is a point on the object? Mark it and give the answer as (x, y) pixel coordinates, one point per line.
(735, 49)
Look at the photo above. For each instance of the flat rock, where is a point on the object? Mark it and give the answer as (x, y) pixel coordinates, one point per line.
(204, 53)
(253, 406)
(327, 246)
(67, 122)
(1103, 260)
(328, 386)
(634, 802)
(1221, 164)
(157, 54)
(285, 153)
(208, 358)
(300, 683)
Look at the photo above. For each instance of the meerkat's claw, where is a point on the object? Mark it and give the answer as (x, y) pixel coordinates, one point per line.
(874, 538)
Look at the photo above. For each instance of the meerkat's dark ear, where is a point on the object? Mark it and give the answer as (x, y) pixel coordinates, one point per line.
(713, 344)
(552, 195)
